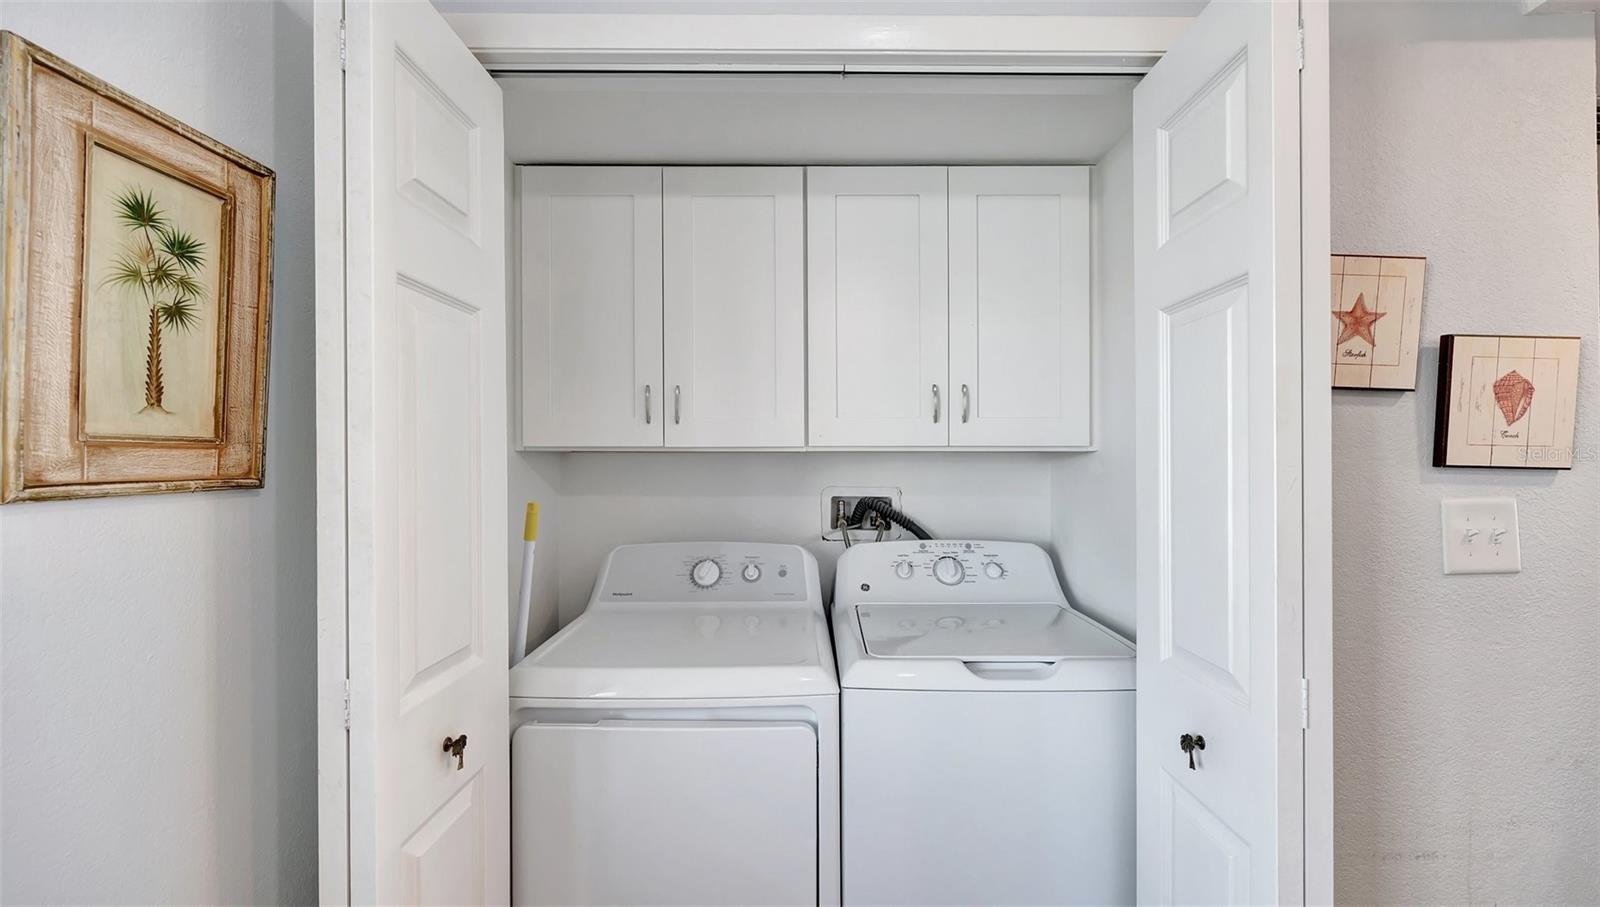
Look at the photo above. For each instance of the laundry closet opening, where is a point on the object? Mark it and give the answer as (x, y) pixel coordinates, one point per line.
(601, 484)
(721, 361)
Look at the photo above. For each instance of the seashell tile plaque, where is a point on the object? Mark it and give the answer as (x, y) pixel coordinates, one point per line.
(1506, 401)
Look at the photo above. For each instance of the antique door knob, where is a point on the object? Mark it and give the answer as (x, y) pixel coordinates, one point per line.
(457, 747)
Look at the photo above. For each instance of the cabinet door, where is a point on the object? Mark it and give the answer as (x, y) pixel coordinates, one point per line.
(591, 307)
(735, 307)
(1021, 369)
(877, 249)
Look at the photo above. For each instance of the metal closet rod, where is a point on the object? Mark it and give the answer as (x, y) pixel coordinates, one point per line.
(1136, 67)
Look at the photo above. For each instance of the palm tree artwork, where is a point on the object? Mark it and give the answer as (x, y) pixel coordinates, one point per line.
(158, 266)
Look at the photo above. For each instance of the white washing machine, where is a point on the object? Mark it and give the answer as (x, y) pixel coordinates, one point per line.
(987, 731)
(678, 742)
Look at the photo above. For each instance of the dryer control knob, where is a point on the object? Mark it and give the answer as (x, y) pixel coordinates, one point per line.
(903, 569)
(751, 573)
(705, 573)
(993, 570)
(948, 570)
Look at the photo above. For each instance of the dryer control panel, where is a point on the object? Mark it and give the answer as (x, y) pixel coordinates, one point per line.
(942, 570)
(709, 572)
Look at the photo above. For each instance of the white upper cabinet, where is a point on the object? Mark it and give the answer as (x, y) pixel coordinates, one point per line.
(734, 304)
(591, 307)
(877, 313)
(1021, 319)
(944, 307)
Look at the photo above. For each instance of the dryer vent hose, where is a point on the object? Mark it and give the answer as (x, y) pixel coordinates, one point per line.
(882, 508)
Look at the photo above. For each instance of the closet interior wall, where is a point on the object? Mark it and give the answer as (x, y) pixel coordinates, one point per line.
(593, 501)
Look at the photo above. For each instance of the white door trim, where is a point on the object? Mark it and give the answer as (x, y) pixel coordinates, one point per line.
(1316, 452)
(333, 655)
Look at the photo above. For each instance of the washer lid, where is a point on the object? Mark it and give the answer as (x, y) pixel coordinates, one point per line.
(673, 652)
(1031, 632)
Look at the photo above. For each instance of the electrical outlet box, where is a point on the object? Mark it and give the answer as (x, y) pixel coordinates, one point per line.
(844, 497)
(1480, 535)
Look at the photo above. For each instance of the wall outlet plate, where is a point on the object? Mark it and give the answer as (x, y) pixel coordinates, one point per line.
(1480, 535)
(851, 494)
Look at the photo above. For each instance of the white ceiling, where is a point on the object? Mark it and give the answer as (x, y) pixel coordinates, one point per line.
(836, 7)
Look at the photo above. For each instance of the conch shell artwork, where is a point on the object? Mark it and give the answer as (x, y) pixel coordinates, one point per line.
(1514, 394)
(1506, 400)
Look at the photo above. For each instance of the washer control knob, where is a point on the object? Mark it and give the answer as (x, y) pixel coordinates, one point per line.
(994, 570)
(948, 570)
(751, 572)
(705, 573)
(903, 569)
(950, 623)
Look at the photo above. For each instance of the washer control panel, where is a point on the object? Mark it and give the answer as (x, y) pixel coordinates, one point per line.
(941, 570)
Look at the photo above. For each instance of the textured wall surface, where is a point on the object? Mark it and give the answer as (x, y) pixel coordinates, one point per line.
(1467, 708)
(159, 653)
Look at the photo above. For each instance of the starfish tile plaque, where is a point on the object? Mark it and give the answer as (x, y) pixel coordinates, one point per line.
(1377, 321)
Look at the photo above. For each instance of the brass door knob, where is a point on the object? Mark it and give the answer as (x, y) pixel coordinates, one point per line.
(457, 747)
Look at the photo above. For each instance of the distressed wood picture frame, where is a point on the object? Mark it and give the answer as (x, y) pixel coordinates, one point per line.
(137, 276)
(1506, 401)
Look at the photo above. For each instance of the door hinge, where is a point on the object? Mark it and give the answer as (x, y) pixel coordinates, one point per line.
(1305, 704)
(347, 703)
(1299, 46)
(341, 46)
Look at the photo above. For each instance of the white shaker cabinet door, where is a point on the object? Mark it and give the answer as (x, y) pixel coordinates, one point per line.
(877, 257)
(1021, 319)
(591, 307)
(734, 303)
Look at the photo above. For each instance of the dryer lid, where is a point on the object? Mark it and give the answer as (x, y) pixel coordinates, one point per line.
(676, 652)
(1032, 632)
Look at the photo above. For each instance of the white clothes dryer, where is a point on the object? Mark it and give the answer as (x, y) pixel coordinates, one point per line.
(987, 731)
(678, 742)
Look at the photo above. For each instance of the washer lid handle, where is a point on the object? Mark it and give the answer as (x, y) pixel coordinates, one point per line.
(1012, 670)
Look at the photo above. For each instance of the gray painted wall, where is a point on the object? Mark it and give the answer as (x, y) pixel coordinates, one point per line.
(159, 652)
(1467, 708)
(1092, 496)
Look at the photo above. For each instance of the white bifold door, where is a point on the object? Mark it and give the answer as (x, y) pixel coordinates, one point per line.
(412, 526)
(1221, 470)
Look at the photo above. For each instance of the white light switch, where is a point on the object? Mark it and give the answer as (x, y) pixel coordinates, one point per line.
(1480, 535)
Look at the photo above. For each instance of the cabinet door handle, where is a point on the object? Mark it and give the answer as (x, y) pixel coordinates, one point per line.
(936, 403)
(677, 403)
(966, 404)
(647, 404)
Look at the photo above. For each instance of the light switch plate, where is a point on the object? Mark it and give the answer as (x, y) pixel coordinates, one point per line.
(1480, 535)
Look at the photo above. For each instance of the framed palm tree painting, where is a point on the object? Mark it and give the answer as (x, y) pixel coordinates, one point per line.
(137, 278)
